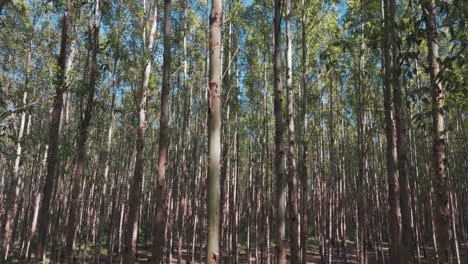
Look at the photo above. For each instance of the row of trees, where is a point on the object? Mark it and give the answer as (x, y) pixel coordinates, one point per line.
(366, 101)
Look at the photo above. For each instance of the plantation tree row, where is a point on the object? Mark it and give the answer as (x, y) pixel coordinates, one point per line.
(269, 131)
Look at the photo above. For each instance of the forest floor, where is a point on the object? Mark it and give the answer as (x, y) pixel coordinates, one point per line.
(313, 256)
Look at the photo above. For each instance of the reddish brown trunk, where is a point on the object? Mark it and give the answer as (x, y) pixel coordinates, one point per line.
(159, 217)
(131, 230)
(441, 180)
(54, 126)
(16, 181)
(406, 232)
(394, 213)
(82, 138)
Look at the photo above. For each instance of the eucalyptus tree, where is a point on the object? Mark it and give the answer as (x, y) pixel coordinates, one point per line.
(304, 148)
(214, 131)
(406, 234)
(13, 194)
(159, 217)
(357, 102)
(61, 84)
(131, 231)
(441, 180)
(394, 209)
(293, 203)
(279, 131)
(83, 133)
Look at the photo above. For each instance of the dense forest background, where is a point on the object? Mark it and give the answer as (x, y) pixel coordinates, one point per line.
(269, 131)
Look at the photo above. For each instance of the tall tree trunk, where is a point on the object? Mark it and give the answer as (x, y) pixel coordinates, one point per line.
(186, 144)
(406, 233)
(225, 161)
(441, 180)
(214, 131)
(54, 126)
(82, 138)
(135, 192)
(291, 157)
(394, 212)
(102, 205)
(362, 183)
(279, 131)
(159, 217)
(16, 181)
(304, 168)
(14, 192)
(333, 163)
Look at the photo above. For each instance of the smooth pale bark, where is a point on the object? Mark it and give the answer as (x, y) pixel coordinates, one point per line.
(82, 138)
(279, 131)
(54, 126)
(291, 156)
(131, 229)
(159, 217)
(214, 132)
(441, 180)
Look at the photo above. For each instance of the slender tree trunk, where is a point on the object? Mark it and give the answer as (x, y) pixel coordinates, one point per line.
(54, 126)
(135, 193)
(82, 138)
(16, 182)
(291, 157)
(304, 168)
(186, 144)
(225, 161)
(214, 131)
(159, 217)
(394, 213)
(234, 202)
(441, 180)
(344, 201)
(15, 188)
(279, 131)
(249, 199)
(265, 158)
(362, 184)
(102, 205)
(406, 233)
